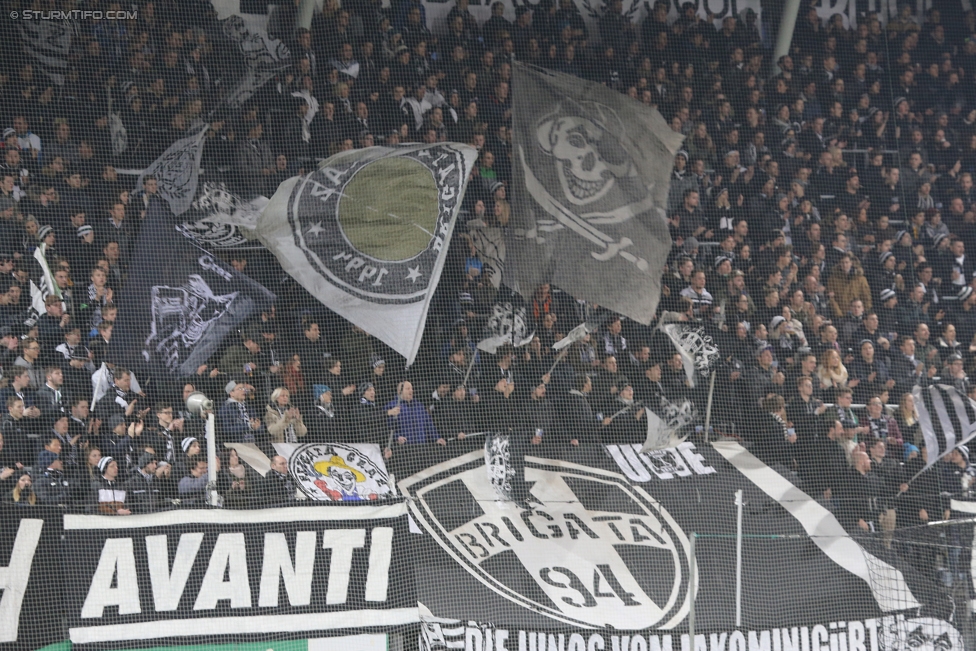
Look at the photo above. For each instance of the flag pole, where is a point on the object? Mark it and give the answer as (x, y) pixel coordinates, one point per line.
(559, 358)
(389, 441)
(708, 406)
(467, 375)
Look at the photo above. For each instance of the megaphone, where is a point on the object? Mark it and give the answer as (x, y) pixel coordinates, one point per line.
(198, 403)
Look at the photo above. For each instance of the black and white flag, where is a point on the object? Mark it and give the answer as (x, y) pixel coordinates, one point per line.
(42, 285)
(367, 233)
(180, 302)
(221, 219)
(177, 170)
(590, 188)
(579, 332)
(260, 58)
(47, 43)
(237, 576)
(946, 417)
(506, 325)
(698, 352)
(667, 424)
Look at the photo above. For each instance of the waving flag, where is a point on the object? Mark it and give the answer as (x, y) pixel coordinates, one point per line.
(180, 302)
(367, 233)
(590, 185)
(946, 417)
(698, 352)
(178, 169)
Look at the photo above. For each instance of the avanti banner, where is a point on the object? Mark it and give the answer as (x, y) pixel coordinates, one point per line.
(196, 576)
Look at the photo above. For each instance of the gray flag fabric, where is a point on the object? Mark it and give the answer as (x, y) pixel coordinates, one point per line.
(181, 302)
(46, 44)
(220, 218)
(590, 175)
(177, 170)
(367, 233)
(667, 424)
(260, 58)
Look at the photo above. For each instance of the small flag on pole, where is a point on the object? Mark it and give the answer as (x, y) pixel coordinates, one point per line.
(698, 351)
(666, 423)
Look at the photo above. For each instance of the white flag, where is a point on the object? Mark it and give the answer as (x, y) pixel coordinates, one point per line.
(42, 283)
(698, 352)
(506, 325)
(367, 233)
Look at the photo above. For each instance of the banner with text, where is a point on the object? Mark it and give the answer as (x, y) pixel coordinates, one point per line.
(601, 538)
(189, 576)
(895, 633)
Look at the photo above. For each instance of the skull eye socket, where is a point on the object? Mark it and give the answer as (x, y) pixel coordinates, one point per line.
(576, 140)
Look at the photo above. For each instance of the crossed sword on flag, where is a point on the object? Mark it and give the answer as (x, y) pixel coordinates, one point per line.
(583, 226)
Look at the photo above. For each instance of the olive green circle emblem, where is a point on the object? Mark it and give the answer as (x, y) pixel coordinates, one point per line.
(389, 209)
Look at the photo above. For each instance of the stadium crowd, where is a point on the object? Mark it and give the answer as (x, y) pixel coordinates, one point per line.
(822, 211)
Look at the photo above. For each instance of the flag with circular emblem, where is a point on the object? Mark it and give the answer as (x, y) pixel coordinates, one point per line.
(367, 233)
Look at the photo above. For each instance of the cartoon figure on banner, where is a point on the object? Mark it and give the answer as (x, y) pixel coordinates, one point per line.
(339, 472)
(342, 483)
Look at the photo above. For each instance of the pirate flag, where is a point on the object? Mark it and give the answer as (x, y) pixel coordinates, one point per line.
(590, 187)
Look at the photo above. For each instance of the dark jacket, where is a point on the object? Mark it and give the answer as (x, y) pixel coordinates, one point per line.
(232, 428)
(625, 427)
(328, 425)
(768, 436)
(451, 417)
(902, 371)
(51, 407)
(860, 498)
(143, 494)
(18, 446)
(823, 464)
(371, 424)
(578, 420)
(243, 496)
(53, 487)
(276, 489)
